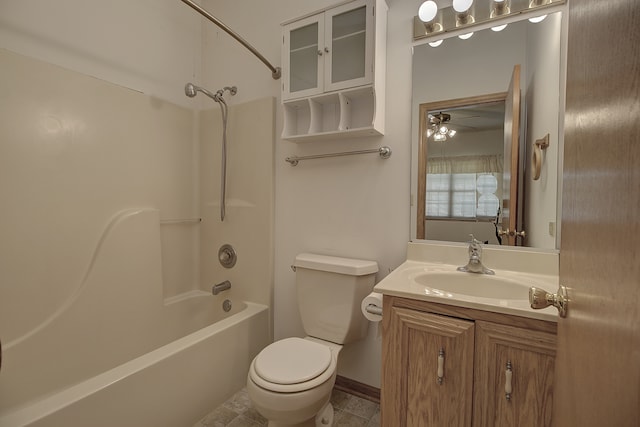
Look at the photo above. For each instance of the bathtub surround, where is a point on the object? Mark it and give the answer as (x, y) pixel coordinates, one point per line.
(98, 267)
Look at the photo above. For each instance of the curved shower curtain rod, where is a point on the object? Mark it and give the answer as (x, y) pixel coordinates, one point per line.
(276, 72)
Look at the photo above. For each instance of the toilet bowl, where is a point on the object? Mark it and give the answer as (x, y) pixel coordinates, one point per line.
(290, 381)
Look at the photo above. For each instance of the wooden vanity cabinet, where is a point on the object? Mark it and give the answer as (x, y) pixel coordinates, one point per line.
(476, 347)
(530, 355)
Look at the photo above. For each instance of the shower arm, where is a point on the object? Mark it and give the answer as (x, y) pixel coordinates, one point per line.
(276, 72)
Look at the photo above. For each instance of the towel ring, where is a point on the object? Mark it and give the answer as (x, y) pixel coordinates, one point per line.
(536, 161)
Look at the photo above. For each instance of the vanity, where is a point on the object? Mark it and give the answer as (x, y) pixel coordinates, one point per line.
(462, 349)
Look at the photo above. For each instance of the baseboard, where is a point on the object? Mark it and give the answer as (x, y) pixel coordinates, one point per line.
(357, 389)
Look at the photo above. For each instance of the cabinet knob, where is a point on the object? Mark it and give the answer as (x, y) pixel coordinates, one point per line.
(319, 52)
(326, 49)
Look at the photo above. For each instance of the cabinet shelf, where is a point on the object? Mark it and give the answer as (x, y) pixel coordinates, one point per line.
(347, 36)
(347, 113)
(313, 47)
(334, 63)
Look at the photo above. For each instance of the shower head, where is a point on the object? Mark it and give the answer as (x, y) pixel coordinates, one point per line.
(191, 90)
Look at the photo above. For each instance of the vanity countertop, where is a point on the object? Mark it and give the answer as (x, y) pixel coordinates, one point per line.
(430, 274)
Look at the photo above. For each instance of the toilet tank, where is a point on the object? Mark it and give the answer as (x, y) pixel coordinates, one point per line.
(330, 291)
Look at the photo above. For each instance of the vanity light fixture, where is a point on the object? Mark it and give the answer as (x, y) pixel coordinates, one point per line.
(537, 19)
(428, 12)
(537, 3)
(464, 16)
(500, 8)
(460, 19)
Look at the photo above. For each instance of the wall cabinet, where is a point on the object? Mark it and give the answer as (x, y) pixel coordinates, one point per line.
(449, 366)
(333, 72)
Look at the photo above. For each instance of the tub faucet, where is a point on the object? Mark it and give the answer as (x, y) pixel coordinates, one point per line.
(216, 289)
(475, 259)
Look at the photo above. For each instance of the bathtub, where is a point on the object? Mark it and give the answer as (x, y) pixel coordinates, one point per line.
(119, 352)
(173, 386)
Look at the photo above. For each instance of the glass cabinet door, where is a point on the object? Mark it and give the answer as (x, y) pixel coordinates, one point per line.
(329, 51)
(350, 43)
(304, 46)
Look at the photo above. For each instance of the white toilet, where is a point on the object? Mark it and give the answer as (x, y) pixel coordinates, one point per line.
(290, 381)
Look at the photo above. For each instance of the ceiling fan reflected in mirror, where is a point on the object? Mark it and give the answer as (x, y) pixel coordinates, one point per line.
(439, 128)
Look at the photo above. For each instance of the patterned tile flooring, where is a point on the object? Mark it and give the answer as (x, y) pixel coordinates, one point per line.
(350, 411)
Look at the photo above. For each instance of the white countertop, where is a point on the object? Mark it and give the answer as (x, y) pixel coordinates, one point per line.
(427, 260)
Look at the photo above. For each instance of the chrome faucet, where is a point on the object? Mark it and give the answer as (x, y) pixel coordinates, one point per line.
(216, 289)
(475, 259)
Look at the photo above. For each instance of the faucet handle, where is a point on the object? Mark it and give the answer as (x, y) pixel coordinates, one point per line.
(474, 244)
(475, 247)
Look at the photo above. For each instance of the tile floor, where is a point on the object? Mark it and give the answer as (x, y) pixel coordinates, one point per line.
(350, 411)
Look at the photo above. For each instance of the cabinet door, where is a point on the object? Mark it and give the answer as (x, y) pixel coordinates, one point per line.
(349, 45)
(303, 53)
(412, 394)
(531, 356)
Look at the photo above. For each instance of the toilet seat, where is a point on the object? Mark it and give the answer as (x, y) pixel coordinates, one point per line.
(292, 365)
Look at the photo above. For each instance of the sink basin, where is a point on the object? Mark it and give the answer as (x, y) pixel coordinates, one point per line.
(451, 284)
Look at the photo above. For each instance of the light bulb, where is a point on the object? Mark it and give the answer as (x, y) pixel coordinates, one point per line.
(465, 36)
(499, 28)
(439, 137)
(462, 5)
(429, 132)
(537, 19)
(452, 132)
(443, 130)
(436, 43)
(427, 11)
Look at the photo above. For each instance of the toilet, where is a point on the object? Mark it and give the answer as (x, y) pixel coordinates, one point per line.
(290, 381)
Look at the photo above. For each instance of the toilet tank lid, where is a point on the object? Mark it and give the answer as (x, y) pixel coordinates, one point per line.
(350, 266)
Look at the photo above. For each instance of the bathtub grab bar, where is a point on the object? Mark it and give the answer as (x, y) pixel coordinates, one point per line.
(216, 289)
(181, 221)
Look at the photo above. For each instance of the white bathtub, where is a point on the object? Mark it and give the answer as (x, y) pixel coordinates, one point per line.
(118, 352)
(173, 386)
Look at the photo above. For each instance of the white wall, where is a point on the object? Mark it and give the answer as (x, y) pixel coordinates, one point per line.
(542, 118)
(152, 46)
(355, 206)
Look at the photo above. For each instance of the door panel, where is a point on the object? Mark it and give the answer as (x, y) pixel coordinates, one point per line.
(530, 355)
(511, 151)
(597, 365)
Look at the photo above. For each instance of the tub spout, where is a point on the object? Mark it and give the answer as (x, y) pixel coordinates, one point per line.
(216, 289)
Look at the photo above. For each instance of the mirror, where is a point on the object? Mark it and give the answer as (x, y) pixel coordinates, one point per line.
(477, 181)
